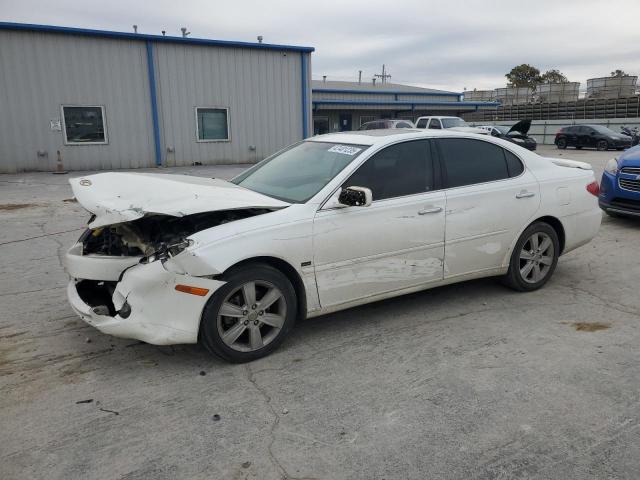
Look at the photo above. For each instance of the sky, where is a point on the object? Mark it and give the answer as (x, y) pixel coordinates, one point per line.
(449, 44)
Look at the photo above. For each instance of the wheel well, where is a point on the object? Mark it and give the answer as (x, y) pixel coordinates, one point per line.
(288, 271)
(557, 226)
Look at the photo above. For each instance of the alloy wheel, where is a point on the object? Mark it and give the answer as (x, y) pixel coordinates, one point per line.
(536, 257)
(251, 316)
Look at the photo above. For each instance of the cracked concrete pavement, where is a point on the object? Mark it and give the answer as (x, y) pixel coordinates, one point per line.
(469, 381)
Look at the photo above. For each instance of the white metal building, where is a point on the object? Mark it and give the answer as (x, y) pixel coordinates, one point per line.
(105, 100)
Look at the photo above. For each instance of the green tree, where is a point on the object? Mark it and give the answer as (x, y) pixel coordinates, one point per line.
(553, 76)
(523, 76)
(619, 73)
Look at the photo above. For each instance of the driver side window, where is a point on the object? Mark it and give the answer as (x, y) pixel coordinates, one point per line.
(398, 170)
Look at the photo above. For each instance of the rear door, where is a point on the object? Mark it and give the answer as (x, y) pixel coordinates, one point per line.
(491, 196)
(572, 136)
(397, 242)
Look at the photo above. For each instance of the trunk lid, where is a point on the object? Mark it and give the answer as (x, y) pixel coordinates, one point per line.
(523, 127)
(122, 197)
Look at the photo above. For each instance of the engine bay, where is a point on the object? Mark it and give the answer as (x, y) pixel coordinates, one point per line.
(152, 233)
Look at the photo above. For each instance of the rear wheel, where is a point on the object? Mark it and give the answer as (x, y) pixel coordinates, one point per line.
(534, 258)
(250, 315)
(602, 145)
(561, 143)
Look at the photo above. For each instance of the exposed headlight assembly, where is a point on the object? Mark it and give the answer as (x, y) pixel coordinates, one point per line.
(612, 166)
(164, 251)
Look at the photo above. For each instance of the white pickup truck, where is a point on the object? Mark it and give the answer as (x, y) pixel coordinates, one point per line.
(454, 123)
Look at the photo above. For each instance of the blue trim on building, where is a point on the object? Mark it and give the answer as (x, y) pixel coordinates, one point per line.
(402, 103)
(154, 102)
(155, 38)
(387, 92)
(305, 112)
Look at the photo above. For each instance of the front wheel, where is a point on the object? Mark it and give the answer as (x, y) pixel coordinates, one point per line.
(561, 143)
(534, 258)
(250, 315)
(602, 145)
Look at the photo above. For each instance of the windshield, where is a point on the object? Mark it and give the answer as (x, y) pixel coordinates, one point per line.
(453, 122)
(298, 173)
(603, 130)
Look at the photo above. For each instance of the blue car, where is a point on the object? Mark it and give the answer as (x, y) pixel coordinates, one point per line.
(620, 185)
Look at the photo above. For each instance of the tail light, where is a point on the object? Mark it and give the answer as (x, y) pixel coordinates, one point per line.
(593, 188)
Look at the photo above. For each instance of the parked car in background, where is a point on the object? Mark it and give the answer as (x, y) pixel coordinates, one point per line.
(386, 123)
(591, 136)
(620, 185)
(454, 123)
(331, 222)
(516, 134)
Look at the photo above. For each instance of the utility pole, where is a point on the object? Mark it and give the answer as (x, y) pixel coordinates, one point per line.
(383, 77)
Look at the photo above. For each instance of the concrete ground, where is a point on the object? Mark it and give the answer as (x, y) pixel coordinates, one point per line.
(469, 381)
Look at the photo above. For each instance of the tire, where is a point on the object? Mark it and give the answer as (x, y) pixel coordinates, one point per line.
(525, 279)
(561, 143)
(579, 147)
(602, 145)
(245, 335)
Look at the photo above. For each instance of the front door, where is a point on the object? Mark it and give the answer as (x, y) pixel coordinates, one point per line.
(396, 243)
(490, 198)
(345, 122)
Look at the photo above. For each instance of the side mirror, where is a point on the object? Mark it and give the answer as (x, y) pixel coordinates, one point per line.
(355, 197)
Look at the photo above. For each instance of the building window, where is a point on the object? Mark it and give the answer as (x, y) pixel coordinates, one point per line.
(212, 124)
(84, 125)
(320, 125)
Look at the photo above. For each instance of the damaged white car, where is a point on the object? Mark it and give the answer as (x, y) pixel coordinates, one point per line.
(329, 223)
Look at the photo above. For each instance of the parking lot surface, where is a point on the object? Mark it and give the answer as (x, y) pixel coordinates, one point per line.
(468, 381)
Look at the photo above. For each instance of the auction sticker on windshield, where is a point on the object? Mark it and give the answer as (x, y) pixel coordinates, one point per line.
(344, 149)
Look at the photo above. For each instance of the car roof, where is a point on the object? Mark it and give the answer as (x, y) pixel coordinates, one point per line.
(381, 136)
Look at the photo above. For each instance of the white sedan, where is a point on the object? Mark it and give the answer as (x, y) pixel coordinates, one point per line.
(329, 223)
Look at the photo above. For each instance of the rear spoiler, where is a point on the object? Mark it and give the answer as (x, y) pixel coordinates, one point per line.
(561, 162)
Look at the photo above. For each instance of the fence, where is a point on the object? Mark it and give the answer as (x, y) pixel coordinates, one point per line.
(544, 131)
(609, 108)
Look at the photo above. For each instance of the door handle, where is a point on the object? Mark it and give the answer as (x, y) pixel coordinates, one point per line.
(425, 211)
(525, 194)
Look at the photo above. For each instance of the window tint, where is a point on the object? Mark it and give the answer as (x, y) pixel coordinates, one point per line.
(401, 169)
(403, 125)
(514, 165)
(84, 125)
(422, 123)
(435, 123)
(472, 161)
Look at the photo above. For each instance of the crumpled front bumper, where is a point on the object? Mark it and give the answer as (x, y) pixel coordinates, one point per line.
(160, 314)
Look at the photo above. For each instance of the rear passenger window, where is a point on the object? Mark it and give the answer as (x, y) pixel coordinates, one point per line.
(468, 162)
(514, 165)
(399, 170)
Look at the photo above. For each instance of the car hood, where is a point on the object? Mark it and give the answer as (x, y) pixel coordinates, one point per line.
(522, 127)
(630, 158)
(123, 197)
(469, 130)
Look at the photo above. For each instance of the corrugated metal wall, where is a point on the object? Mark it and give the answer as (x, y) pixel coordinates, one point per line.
(384, 97)
(39, 72)
(261, 88)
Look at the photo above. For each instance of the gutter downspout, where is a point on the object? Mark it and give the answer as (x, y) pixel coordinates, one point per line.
(305, 112)
(154, 102)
